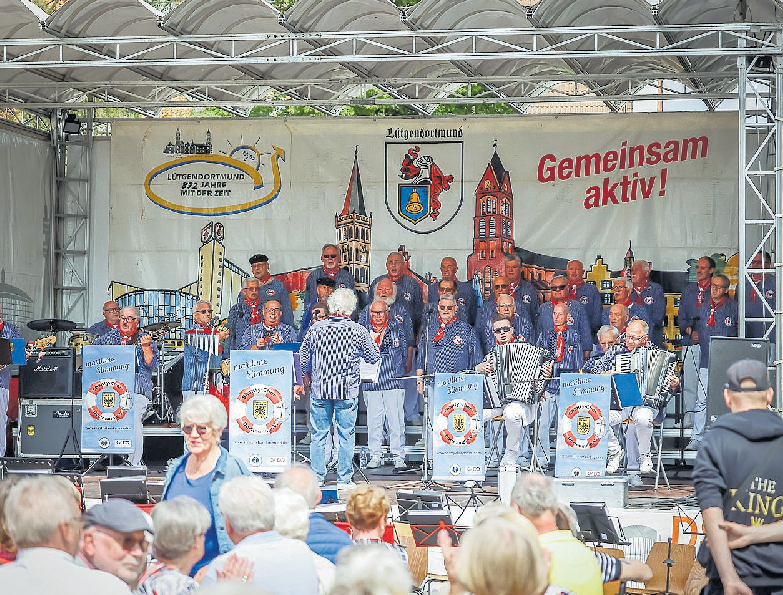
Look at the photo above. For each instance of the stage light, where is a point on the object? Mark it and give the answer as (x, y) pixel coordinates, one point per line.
(72, 124)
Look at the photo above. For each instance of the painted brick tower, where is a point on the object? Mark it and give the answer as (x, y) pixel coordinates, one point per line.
(354, 227)
(493, 223)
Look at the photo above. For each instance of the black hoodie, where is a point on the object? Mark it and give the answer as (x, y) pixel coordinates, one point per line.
(730, 451)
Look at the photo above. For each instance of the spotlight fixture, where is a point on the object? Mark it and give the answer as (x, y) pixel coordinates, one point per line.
(72, 124)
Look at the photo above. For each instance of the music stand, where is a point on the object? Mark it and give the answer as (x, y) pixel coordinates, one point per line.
(425, 526)
(413, 500)
(115, 472)
(595, 524)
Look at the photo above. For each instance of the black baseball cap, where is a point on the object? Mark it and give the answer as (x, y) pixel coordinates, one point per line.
(747, 369)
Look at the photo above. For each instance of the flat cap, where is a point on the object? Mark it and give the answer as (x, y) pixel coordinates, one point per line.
(118, 514)
(259, 258)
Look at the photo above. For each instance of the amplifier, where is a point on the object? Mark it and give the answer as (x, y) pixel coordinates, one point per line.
(50, 376)
(612, 490)
(44, 426)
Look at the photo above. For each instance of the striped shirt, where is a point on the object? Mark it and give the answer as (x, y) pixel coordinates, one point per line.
(253, 333)
(394, 352)
(330, 351)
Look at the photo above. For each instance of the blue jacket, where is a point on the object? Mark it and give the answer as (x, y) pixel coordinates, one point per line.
(325, 539)
(227, 467)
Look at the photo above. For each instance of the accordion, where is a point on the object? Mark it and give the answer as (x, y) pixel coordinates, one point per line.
(518, 371)
(652, 368)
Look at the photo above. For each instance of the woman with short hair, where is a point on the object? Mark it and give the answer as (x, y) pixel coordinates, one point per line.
(367, 511)
(201, 471)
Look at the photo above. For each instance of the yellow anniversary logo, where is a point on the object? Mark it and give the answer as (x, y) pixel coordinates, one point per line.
(211, 184)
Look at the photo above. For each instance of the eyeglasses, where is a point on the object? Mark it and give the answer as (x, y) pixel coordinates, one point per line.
(128, 318)
(377, 311)
(719, 286)
(502, 329)
(111, 309)
(188, 429)
(502, 286)
(446, 308)
(126, 541)
(558, 287)
(616, 287)
(204, 311)
(273, 309)
(632, 338)
(330, 255)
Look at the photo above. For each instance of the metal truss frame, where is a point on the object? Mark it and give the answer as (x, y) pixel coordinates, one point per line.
(759, 95)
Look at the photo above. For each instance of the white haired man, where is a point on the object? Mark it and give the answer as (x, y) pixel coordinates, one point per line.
(330, 269)
(280, 565)
(574, 566)
(44, 521)
(322, 537)
(621, 287)
(384, 398)
(117, 539)
(329, 356)
(129, 333)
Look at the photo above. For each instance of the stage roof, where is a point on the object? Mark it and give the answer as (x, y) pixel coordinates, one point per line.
(331, 53)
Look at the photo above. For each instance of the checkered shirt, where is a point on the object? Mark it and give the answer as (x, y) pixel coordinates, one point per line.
(330, 351)
(577, 319)
(466, 299)
(252, 334)
(397, 312)
(409, 294)
(458, 350)
(342, 280)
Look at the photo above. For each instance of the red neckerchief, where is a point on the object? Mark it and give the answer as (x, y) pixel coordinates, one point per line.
(255, 317)
(639, 291)
(271, 327)
(379, 330)
(1, 327)
(560, 348)
(110, 325)
(574, 287)
(704, 287)
(265, 279)
(627, 303)
(331, 272)
(439, 333)
(513, 287)
(555, 301)
(713, 308)
(754, 294)
(623, 329)
(128, 339)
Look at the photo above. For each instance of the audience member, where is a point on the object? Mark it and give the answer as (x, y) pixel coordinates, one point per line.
(367, 511)
(573, 564)
(281, 565)
(201, 471)
(371, 570)
(323, 537)
(45, 523)
(292, 520)
(180, 528)
(116, 539)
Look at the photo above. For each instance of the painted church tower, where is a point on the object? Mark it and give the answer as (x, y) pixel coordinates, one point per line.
(493, 223)
(354, 228)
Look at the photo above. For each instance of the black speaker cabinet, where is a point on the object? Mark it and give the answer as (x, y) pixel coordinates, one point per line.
(51, 376)
(44, 426)
(724, 351)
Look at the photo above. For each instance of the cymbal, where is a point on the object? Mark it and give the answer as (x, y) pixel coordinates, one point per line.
(53, 325)
(168, 325)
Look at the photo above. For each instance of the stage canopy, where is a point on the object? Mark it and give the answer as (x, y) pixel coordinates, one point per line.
(332, 53)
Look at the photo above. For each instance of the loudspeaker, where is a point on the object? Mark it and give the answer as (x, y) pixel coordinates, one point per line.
(51, 376)
(724, 351)
(44, 425)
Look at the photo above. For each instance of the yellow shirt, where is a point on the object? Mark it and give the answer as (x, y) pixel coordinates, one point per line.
(574, 566)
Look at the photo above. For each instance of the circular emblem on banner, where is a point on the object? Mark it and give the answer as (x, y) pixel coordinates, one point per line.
(107, 400)
(255, 460)
(585, 425)
(458, 422)
(576, 472)
(259, 409)
(455, 469)
(104, 442)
